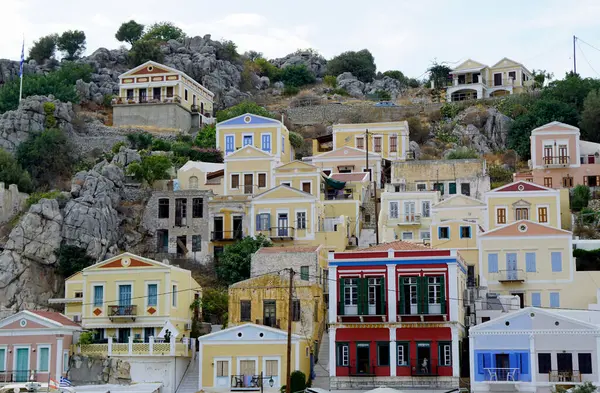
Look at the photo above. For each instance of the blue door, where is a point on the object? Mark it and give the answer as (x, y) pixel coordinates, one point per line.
(22, 366)
(511, 266)
(124, 299)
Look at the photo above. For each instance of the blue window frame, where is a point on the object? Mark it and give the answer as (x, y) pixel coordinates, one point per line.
(465, 232)
(492, 263)
(536, 299)
(444, 233)
(152, 294)
(229, 143)
(556, 258)
(98, 296)
(247, 140)
(530, 262)
(554, 299)
(266, 142)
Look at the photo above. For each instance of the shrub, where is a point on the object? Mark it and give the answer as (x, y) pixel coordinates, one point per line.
(297, 76)
(117, 146)
(340, 91)
(330, 81)
(38, 196)
(234, 263)
(581, 197)
(462, 153)
(449, 110)
(361, 64)
(227, 51)
(297, 381)
(107, 100)
(417, 132)
(130, 32)
(72, 259)
(268, 69)
(383, 95)
(12, 173)
(290, 90)
(414, 83)
(49, 108)
(143, 51)
(47, 156)
(86, 338)
(151, 169)
(163, 31)
(159, 144)
(43, 49)
(140, 140)
(499, 175)
(72, 43)
(207, 137)
(296, 140)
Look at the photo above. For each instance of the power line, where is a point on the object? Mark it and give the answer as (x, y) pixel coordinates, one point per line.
(590, 45)
(586, 60)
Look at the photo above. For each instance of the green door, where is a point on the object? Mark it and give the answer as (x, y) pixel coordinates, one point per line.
(22, 365)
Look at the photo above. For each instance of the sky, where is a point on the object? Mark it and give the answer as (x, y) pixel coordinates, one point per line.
(405, 35)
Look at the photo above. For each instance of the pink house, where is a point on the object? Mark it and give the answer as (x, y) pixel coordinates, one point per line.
(559, 159)
(35, 343)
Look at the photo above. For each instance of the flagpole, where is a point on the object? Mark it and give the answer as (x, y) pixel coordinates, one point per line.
(21, 69)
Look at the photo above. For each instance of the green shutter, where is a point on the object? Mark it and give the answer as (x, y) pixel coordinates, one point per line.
(443, 295)
(382, 310)
(401, 310)
(425, 295)
(419, 295)
(341, 301)
(363, 301)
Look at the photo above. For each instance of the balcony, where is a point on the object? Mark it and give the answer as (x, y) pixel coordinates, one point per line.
(367, 313)
(220, 236)
(420, 312)
(152, 348)
(122, 312)
(335, 196)
(564, 376)
(152, 99)
(282, 233)
(423, 368)
(10, 376)
(410, 219)
(510, 276)
(509, 374)
(556, 162)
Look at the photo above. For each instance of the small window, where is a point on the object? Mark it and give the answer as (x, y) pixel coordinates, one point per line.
(501, 216)
(286, 183)
(174, 296)
(465, 232)
(197, 207)
(548, 182)
(521, 213)
(536, 299)
(262, 180)
(493, 263)
(393, 143)
(247, 140)
(304, 273)
(245, 310)
(407, 235)
(383, 353)
(327, 172)
(222, 368)
(465, 189)
(163, 208)
(235, 181)
(186, 95)
(426, 208)
(445, 353)
(554, 299)
(567, 182)
(452, 188)
(65, 362)
(283, 144)
(544, 363)
(556, 261)
(443, 233)
(343, 354)
(170, 92)
(403, 354)
(152, 295)
(377, 144)
(193, 183)
(306, 187)
(394, 210)
(424, 235)
(78, 295)
(421, 187)
(360, 143)
(295, 310)
(301, 220)
(98, 295)
(585, 363)
(543, 214)
(367, 218)
(229, 144)
(196, 243)
(513, 75)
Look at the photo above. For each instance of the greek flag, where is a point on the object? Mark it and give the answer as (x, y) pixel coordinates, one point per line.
(64, 382)
(22, 60)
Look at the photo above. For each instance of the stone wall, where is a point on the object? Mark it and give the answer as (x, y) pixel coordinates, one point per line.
(171, 116)
(269, 262)
(12, 201)
(84, 370)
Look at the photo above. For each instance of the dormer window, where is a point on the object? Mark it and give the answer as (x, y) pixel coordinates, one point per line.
(521, 213)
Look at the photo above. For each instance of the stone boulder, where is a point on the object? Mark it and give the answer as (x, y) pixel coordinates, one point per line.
(311, 59)
(30, 117)
(351, 84)
(125, 157)
(415, 149)
(387, 84)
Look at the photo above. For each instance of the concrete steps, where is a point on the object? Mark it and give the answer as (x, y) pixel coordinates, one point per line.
(322, 367)
(189, 384)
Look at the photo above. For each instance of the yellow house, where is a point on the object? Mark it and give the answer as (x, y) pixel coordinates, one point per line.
(265, 134)
(388, 139)
(152, 81)
(459, 235)
(248, 171)
(237, 357)
(460, 207)
(301, 176)
(348, 160)
(131, 296)
(349, 200)
(523, 200)
(406, 215)
(198, 175)
(474, 80)
(229, 221)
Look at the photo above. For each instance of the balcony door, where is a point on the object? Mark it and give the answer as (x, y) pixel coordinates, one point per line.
(248, 369)
(269, 313)
(237, 228)
(374, 296)
(282, 224)
(564, 362)
(548, 155)
(218, 228)
(143, 93)
(497, 79)
(363, 356)
(124, 334)
(156, 93)
(248, 180)
(22, 364)
(124, 300)
(409, 211)
(423, 358)
(408, 296)
(351, 296)
(511, 266)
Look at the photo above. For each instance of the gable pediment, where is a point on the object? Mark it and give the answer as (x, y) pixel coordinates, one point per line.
(249, 119)
(248, 332)
(125, 261)
(459, 200)
(521, 203)
(506, 62)
(521, 186)
(248, 151)
(27, 320)
(469, 64)
(284, 192)
(525, 228)
(296, 165)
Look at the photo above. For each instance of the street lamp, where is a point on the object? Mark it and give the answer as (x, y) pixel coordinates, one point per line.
(262, 379)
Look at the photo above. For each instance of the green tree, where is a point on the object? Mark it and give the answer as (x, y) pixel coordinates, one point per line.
(72, 43)
(72, 259)
(234, 263)
(297, 76)
(47, 156)
(572, 90)
(330, 81)
(253, 55)
(43, 49)
(543, 111)
(207, 137)
(130, 32)
(499, 175)
(143, 51)
(214, 304)
(163, 31)
(414, 83)
(462, 153)
(227, 51)
(581, 197)
(383, 95)
(590, 117)
(296, 140)
(540, 77)
(12, 173)
(297, 381)
(398, 75)
(242, 108)
(140, 140)
(151, 169)
(361, 64)
(439, 74)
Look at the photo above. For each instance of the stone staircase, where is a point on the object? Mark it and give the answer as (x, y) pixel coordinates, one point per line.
(322, 367)
(189, 384)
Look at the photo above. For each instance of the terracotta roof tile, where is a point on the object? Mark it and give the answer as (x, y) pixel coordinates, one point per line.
(55, 316)
(398, 245)
(355, 176)
(275, 250)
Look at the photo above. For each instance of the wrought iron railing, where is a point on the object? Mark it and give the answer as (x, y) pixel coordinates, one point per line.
(148, 99)
(556, 160)
(281, 232)
(226, 235)
(564, 376)
(366, 310)
(499, 374)
(122, 311)
(8, 376)
(423, 368)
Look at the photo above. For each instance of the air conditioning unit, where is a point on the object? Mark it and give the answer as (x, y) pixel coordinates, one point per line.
(188, 326)
(77, 318)
(466, 297)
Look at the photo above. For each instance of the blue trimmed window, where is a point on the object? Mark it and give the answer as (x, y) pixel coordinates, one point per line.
(229, 144)
(530, 262)
(266, 142)
(554, 299)
(536, 299)
(492, 263)
(444, 233)
(556, 258)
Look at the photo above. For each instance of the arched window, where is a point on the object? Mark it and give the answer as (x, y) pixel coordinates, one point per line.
(193, 182)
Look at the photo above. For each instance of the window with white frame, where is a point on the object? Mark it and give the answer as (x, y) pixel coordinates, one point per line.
(247, 140)
(403, 354)
(65, 361)
(421, 186)
(43, 360)
(98, 295)
(229, 144)
(426, 208)
(394, 209)
(266, 142)
(425, 235)
(445, 353)
(351, 292)
(343, 354)
(407, 235)
(300, 220)
(434, 290)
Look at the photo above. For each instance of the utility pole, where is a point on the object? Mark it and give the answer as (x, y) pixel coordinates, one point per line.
(288, 385)
(574, 56)
(371, 185)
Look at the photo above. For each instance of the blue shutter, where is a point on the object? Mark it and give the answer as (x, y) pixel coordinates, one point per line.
(258, 223)
(492, 263)
(524, 363)
(480, 364)
(556, 261)
(44, 359)
(2, 355)
(152, 295)
(487, 360)
(98, 296)
(554, 299)
(229, 143)
(513, 360)
(268, 222)
(536, 299)
(530, 262)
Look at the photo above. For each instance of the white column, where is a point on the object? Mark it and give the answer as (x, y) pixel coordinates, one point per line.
(110, 346)
(455, 353)
(151, 345)
(533, 360)
(59, 358)
(200, 364)
(453, 296)
(297, 356)
(393, 352)
(172, 345)
(332, 352)
(472, 360)
(391, 294)
(130, 345)
(333, 294)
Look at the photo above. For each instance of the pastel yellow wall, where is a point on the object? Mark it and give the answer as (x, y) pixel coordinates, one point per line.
(392, 228)
(298, 180)
(184, 181)
(565, 209)
(72, 285)
(345, 136)
(211, 351)
(336, 241)
(254, 167)
(346, 208)
(276, 143)
(495, 201)
(467, 247)
(292, 208)
(178, 90)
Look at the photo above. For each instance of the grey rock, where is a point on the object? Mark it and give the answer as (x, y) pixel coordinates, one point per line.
(125, 157)
(415, 149)
(387, 84)
(264, 82)
(312, 60)
(351, 84)
(278, 85)
(484, 130)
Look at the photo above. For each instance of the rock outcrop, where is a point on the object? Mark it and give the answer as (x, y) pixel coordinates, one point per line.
(311, 59)
(85, 370)
(483, 129)
(351, 84)
(125, 157)
(15, 126)
(390, 85)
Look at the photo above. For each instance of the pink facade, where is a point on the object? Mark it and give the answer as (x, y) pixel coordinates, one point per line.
(35, 344)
